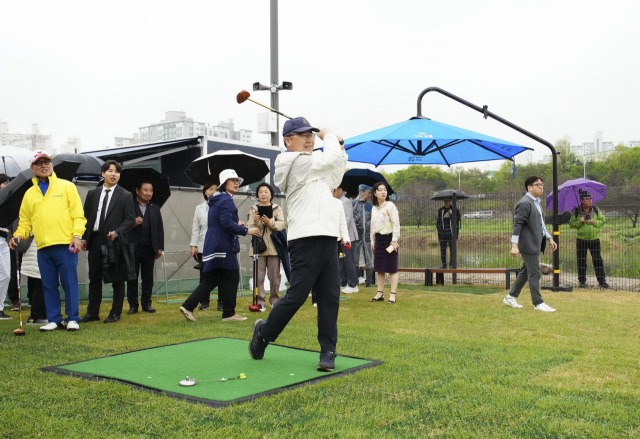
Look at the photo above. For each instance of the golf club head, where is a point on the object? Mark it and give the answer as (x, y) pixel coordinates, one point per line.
(19, 331)
(242, 96)
(254, 308)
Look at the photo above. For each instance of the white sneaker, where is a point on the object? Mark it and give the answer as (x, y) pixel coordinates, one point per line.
(72, 325)
(361, 280)
(315, 305)
(187, 314)
(349, 290)
(52, 326)
(511, 301)
(544, 307)
(263, 308)
(234, 318)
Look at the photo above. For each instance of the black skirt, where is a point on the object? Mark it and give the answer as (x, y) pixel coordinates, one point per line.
(383, 261)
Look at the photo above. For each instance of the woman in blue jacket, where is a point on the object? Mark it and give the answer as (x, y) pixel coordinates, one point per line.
(221, 246)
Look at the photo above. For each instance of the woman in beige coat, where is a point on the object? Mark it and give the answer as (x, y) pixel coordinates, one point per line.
(268, 261)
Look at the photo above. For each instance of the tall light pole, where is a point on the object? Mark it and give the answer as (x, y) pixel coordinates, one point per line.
(274, 87)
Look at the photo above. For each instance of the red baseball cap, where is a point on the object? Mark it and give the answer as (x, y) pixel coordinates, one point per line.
(38, 155)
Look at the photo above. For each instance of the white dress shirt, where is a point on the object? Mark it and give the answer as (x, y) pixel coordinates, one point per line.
(96, 226)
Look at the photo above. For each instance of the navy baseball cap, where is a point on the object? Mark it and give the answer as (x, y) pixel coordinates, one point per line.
(297, 125)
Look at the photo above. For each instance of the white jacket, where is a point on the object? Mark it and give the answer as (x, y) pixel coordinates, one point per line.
(199, 227)
(29, 265)
(306, 180)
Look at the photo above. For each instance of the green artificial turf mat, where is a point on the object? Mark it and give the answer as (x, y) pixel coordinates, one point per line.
(160, 369)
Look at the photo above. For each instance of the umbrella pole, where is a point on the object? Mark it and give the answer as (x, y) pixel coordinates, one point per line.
(254, 306)
(554, 155)
(454, 237)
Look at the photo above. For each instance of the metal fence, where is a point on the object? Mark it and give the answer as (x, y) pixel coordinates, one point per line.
(485, 234)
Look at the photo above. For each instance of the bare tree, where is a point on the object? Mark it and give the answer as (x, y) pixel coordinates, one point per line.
(413, 203)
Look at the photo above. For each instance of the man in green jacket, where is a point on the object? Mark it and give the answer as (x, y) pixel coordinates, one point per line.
(588, 220)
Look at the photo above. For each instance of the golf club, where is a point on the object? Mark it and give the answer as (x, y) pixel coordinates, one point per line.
(244, 96)
(20, 330)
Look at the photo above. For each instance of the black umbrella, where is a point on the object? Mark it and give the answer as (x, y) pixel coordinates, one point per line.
(12, 194)
(89, 165)
(206, 169)
(448, 193)
(130, 178)
(66, 170)
(355, 177)
(11, 197)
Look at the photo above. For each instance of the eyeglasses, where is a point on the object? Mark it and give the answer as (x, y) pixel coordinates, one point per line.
(540, 185)
(307, 136)
(42, 163)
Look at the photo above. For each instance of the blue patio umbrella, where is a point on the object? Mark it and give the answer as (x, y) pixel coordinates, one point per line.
(421, 141)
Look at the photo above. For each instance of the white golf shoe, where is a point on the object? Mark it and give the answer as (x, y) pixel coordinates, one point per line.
(511, 301)
(544, 307)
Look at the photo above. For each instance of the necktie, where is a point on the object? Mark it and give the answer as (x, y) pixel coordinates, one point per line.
(103, 213)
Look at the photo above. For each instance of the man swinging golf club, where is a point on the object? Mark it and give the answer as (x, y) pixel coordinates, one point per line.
(306, 178)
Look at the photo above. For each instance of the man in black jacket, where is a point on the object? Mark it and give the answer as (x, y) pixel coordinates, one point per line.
(445, 231)
(109, 212)
(148, 238)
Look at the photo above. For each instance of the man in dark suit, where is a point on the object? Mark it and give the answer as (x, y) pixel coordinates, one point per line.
(148, 238)
(529, 240)
(110, 217)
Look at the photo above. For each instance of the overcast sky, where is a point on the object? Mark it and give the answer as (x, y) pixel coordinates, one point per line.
(102, 69)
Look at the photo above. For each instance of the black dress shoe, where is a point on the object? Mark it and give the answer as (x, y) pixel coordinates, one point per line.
(582, 285)
(132, 310)
(89, 318)
(112, 318)
(148, 309)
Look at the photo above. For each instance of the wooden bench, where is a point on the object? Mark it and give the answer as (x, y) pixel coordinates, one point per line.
(429, 272)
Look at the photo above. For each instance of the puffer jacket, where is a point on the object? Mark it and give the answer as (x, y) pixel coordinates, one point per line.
(221, 244)
(55, 217)
(29, 265)
(276, 223)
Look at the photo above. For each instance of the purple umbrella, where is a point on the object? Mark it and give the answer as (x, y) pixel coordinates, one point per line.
(569, 193)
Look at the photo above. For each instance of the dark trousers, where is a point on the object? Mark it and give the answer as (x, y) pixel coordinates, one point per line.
(594, 248)
(205, 301)
(443, 250)
(227, 283)
(12, 291)
(349, 268)
(314, 261)
(35, 294)
(145, 260)
(95, 279)
(531, 272)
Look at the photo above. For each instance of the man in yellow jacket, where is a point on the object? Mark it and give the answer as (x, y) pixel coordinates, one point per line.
(52, 209)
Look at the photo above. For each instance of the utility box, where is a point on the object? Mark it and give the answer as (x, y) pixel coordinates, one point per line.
(267, 123)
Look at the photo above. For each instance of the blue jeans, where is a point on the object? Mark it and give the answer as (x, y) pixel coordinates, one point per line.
(56, 261)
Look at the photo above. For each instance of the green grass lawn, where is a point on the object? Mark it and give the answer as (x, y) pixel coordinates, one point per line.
(458, 363)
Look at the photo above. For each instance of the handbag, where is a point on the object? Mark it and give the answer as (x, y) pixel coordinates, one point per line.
(259, 245)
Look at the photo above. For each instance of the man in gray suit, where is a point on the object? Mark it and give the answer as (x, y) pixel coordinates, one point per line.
(529, 240)
(348, 264)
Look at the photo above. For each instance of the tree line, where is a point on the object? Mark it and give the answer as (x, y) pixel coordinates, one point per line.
(619, 168)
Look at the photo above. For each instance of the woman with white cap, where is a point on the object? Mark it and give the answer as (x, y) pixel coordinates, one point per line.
(221, 246)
